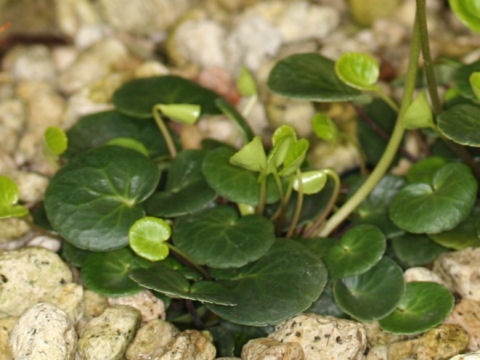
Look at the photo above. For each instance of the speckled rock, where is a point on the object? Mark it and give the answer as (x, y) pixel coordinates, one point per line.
(460, 270)
(46, 242)
(28, 275)
(107, 336)
(149, 305)
(189, 345)
(31, 63)
(265, 348)
(439, 343)
(31, 186)
(95, 304)
(377, 336)
(44, 332)
(324, 337)
(150, 68)
(470, 356)
(467, 315)
(422, 274)
(6, 326)
(69, 298)
(296, 113)
(220, 128)
(12, 121)
(379, 352)
(151, 339)
(11, 230)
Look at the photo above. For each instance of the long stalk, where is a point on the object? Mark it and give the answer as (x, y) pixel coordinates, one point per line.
(392, 146)
(166, 134)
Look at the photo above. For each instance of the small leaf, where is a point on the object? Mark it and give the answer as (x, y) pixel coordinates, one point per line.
(13, 211)
(357, 251)
(251, 156)
(418, 114)
(312, 182)
(282, 139)
(416, 250)
(475, 84)
(460, 123)
(129, 143)
(422, 171)
(182, 113)
(8, 191)
(55, 140)
(324, 127)
(147, 236)
(246, 83)
(423, 306)
(358, 70)
(461, 79)
(294, 157)
(468, 11)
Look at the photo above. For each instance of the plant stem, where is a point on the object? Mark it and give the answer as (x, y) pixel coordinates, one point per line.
(298, 209)
(249, 106)
(392, 146)
(331, 202)
(166, 134)
(189, 260)
(262, 197)
(388, 100)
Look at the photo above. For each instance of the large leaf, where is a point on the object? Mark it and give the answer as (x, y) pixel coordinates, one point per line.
(416, 250)
(137, 97)
(286, 281)
(468, 11)
(461, 79)
(436, 207)
(232, 182)
(310, 77)
(95, 130)
(460, 123)
(186, 191)
(96, 197)
(220, 239)
(423, 170)
(373, 294)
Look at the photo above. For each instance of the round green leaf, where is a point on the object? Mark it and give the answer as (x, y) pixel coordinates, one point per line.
(373, 294)
(186, 190)
(416, 250)
(461, 79)
(462, 236)
(220, 239)
(74, 255)
(419, 114)
(312, 182)
(422, 171)
(436, 207)
(357, 251)
(358, 70)
(423, 306)
(468, 11)
(246, 83)
(251, 156)
(310, 77)
(8, 191)
(12, 211)
(138, 97)
(96, 197)
(147, 236)
(182, 113)
(460, 123)
(475, 84)
(234, 183)
(108, 273)
(55, 140)
(286, 281)
(324, 127)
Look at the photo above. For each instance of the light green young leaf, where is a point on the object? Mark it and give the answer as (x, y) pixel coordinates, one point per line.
(8, 191)
(251, 156)
(294, 157)
(246, 83)
(182, 113)
(282, 139)
(147, 238)
(358, 70)
(475, 84)
(129, 143)
(55, 140)
(12, 211)
(418, 114)
(324, 127)
(468, 11)
(312, 182)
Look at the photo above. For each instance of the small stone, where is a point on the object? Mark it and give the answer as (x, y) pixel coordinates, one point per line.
(265, 348)
(72, 15)
(150, 68)
(64, 56)
(149, 305)
(30, 63)
(189, 344)
(12, 122)
(379, 352)
(422, 274)
(31, 186)
(151, 339)
(323, 336)
(69, 298)
(12, 230)
(90, 34)
(460, 270)
(44, 332)
(107, 336)
(95, 304)
(377, 336)
(28, 275)
(470, 356)
(220, 128)
(6, 326)
(46, 242)
(467, 315)
(296, 113)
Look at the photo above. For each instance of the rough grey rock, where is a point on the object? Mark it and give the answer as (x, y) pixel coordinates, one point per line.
(12, 121)
(44, 332)
(30, 63)
(46, 242)
(31, 186)
(422, 274)
(467, 315)
(27, 276)
(6, 326)
(265, 348)
(189, 344)
(470, 356)
(379, 352)
(377, 336)
(107, 336)
(149, 305)
(323, 337)
(69, 298)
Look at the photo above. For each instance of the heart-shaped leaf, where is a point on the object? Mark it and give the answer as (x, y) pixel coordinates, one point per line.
(324, 127)
(251, 156)
(436, 207)
(55, 140)
(161, 278)
(461, 79)
(182, 113)
(220, 239)
(129, 143)
(107, 273)
(147, 238)
(234, 183)
(310, 77)
(186, 190)
(475, 84)
(423, 306)
(460, 123)
(419, 114)
(138, 97)
(468, 11)
(312, 182)
(422, 171)
(373, 294)
(96, 197)
(357, 70)
(95, 130)
(356, 252)
(286, 281)
(416, 250)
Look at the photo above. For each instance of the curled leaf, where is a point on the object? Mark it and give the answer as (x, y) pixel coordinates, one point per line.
(358, 70)
(312, 182)
(182, 113)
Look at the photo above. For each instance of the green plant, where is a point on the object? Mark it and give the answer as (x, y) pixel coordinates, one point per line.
(242, 236)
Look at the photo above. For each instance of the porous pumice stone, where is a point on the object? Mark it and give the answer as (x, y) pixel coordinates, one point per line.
(471, 356)
(69, 298)
(44, 332)
(149, 305)
(189, 344)
(107, 336)
(324, 337)
(467, 315)
(379, 352)
(265, 348)
(6, 326)
(27, 276)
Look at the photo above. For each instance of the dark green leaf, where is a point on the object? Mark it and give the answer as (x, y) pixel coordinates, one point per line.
(96, 197)
(460, 123)
(230, 338)
(422, 171)
(416, 250)
(220, 239)
(326, 305)
(461, 80)
(462, 236)
(74, 255)
(310, 77)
